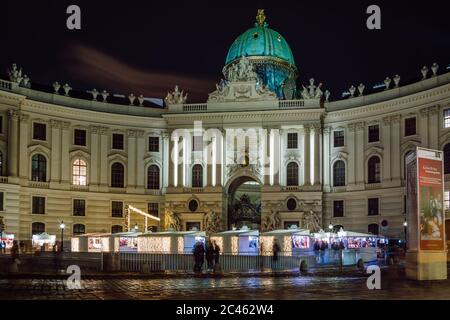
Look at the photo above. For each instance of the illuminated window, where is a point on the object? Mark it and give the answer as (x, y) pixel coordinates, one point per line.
(447, 200)
(38, 168)
(292, 174)
(79, 172)
(153, 177)
(447, 118)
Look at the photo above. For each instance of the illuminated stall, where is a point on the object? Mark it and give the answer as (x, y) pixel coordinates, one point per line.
(91, 242)
(43, 241)
(8, 239)
(292, 241)
(124, 241)
(170, 241)
(242, 242)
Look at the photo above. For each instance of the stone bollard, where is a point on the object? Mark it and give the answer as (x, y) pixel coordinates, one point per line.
(303, 267)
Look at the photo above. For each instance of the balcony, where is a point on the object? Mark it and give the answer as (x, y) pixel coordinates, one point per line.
(3, 179)
(39, 184)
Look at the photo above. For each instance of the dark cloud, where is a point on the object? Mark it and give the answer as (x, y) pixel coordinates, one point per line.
(102, 70)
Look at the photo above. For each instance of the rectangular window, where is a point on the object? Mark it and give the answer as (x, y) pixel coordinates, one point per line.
(39, 131)
(373, 206)
(374, 133)
(338, 208)
(192, 226)
(153, 208)
(38, 205)
(447, 118)
(410, 127)
(339, 138)
(292, 140)
(197, 143)
(117, 209)
(79, 137)
(153, 144)
(447, 200)
(2, 201)
(117, 141)
(79, 207)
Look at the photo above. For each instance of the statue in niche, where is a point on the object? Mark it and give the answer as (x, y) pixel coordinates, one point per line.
(311, 221)
(271, 221)
(212, 222)
(171, 221)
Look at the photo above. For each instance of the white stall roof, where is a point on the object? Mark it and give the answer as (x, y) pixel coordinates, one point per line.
(92, 235)
(174, 234)
(241, 232)
(126, 234)
(291, 231)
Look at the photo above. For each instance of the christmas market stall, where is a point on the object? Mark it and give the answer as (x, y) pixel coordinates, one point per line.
(91, 242)
(292, 241)
(170, 241)
(243, 241)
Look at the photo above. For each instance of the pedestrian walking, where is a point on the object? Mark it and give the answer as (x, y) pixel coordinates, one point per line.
(216, 253)
(3, 246)
(210, 255)
(22, 247)
(275, 250)
(15, 257)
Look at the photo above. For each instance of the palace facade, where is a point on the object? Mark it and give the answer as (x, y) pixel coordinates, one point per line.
(260, 152)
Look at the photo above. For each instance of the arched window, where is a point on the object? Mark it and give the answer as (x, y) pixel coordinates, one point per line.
(38, 168)
(78, 229)
(116, 229)
(37, 228)
(447, 158)
(153, 177)
(117, 175)
(197, 176)
(79, 172)
(374, 170)
(339, 173)
(373, 229)
(292, 174)
(404, 163)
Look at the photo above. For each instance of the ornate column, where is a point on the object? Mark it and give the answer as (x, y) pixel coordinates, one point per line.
(396, 157)
(326, 158)
(141, 147)
(275, 156)
(316, 148)
(210, 160)
(386, 138)
(181, 155)
(359, 155)
(165, 158)
(66, 166)
(95, 157)
(173, 160)
(23, 146)
(307, 155)
(219, 158)
(281, 152)
(131, 162)
(265, 155)
(104, 147)
(423, 128)
(433, 138)
(13, 142)
(55, 164)
(351, 175)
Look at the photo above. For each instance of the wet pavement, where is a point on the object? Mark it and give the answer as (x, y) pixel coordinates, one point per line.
(347, 286)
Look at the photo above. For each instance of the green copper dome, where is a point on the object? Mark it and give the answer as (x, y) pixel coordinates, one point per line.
(269, 54)
(260, 41)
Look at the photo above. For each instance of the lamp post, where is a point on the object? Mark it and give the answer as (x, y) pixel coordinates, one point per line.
(405, 224)
(330, 227)
(62, 226)
(136, 227)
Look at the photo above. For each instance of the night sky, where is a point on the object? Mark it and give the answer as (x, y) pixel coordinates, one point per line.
(149, 46)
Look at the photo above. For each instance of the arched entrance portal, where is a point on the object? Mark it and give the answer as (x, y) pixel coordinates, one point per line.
(244, 203)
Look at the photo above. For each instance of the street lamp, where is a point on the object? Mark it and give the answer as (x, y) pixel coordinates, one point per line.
(330, 227)
(62, 226)
(405, 224)
(136, 227)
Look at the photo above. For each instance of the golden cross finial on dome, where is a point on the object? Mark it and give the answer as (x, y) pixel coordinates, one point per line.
(260, 17)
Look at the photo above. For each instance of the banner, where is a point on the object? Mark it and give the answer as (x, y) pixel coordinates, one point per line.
(411, 203)
(431, 200)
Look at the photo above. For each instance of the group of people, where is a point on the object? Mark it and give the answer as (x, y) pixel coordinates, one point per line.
(212, 253)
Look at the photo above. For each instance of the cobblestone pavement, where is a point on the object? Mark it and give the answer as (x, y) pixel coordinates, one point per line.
(280, 288)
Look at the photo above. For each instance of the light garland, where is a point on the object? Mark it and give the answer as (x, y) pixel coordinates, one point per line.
(143, 213)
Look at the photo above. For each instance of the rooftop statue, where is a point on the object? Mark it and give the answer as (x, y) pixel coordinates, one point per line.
(176, 97)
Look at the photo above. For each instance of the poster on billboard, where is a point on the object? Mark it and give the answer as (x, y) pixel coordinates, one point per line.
(411, 203)
(431, 200)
